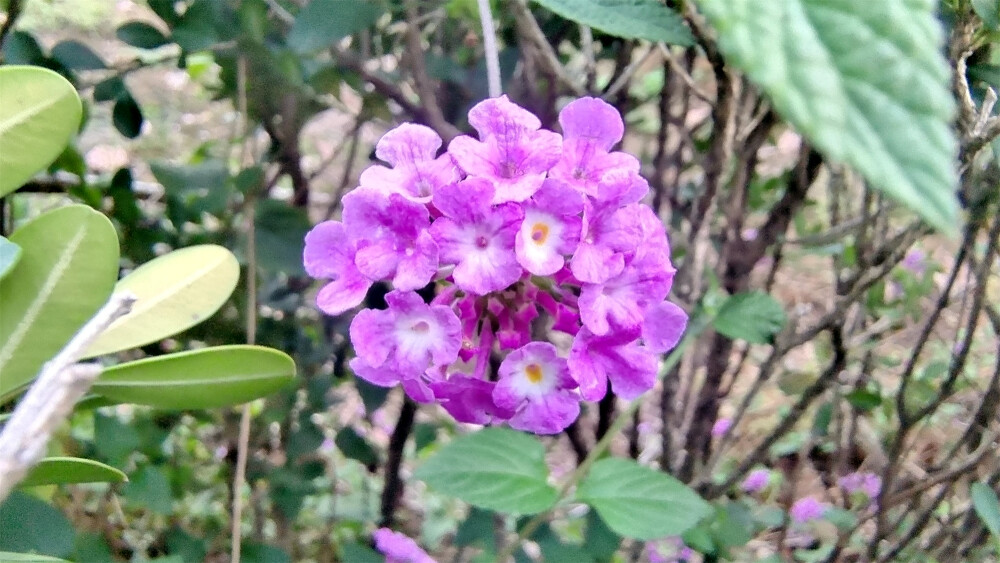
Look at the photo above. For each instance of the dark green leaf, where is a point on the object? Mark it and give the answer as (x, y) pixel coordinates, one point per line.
(204, 186)
(149, 488)
(639, 502)
(324, 22)
(113, 439)
(357, 553)
(110, 89)
(195, 32)
(69, 470)
(493, 468)
(373, 396)
(281, 230)
(866, 82)
(600, 540)
(77, 56)
(354, 446)
(10, 253)
(92, 547)
(127, 116)
(755, 317)
(141, 35)
(476, 528)
(21, 48)
(261, 553)
(984, 500)
(632, 19)
(48, 532)
(198, 379)
(554, 549)
(864, 399)
(424, 434)
(184, 545)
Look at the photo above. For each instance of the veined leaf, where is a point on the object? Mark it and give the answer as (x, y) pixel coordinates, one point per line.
(198, 379)
(632, 19)
(39, 114)
(68, 265)
(69, 470)
(864, 81)
(175, 292)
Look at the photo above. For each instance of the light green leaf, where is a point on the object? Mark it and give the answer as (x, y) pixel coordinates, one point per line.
(639, 502)
(755, 317)
(10, 253)
(984, 500)
(494, 468)
(324, 22)
(8, 557)
(632, 19)
(68, 266)
(988, 11)
(69, 470)
(198, 379)
(864, 81)
(39, 113)
(175, 292)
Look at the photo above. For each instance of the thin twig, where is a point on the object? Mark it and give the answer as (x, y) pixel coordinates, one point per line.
(683, 73)
(534, 36)
(50, 399)
(626, 76)
(490, 47)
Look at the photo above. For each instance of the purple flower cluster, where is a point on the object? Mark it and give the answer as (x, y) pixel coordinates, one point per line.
(807, 509)
(526, 232)
(861, 482)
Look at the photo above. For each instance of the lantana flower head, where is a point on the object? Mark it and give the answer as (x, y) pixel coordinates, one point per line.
(522, 233)
(807, 509)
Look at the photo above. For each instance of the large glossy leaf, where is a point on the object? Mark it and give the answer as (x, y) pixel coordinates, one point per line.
(69, 470)
(639, 502)
(68, 266)
(494, 468)
(633, 19)
(10, 253)
(864, 81)
(198, 379)
(39, 113)
(323, 22)
(755, 317)
(175, 292)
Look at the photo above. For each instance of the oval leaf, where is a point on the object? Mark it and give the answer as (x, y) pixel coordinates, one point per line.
(984, 500)
(198, 379)
(69, 470)
(141, 34)
(68, 266)
(10, 253)
(174, 292)
(755, 317)
(632, 19)
(639, 502)
(39, 114)
(494, 468)
(865, 82)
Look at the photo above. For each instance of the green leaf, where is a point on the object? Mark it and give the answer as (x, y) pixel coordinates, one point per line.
(68, 265)
(141, 35)
(69, 470)
(600, 540)
(127, 116)
(641, 503)
(175, 292)
(198, 379)
(49, 532)
(8, 557)
(988, 11)
(10, 253)
(324, 22)
(21, 48)
(494, 468)
(204, 186)
(984, 500)
(632, 19)
(39, 114)
(755, 317)
(865, 82)
(110, 89)
(357, 553)
(77, 56)
(354, 446)
(150, 488)
(281, 230)
(864, 399)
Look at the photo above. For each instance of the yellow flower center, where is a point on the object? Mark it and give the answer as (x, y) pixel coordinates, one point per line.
(539, 232)
(534, 373)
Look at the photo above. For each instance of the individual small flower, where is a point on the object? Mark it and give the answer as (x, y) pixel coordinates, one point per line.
(807, 509)
(756, 481)
(609, 233)
(591, 127)
(398, 548)
(721, 426)
(416, 173)
(535, 383)
(399, 344)
(476, 236)
(551, 228)
(513, 153)
(391, 237)
(621, 302)
(863, 482)
(329, 255)
(915, 262)
(595, 360)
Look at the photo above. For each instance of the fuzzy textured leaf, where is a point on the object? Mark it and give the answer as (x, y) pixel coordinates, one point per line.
(755, 317)
(632, 19)
(639, 502)
(39, 114)
(198, 379)
(68, 266)
(494, 468)
(175, 292)
(69, 470)
(864, 81)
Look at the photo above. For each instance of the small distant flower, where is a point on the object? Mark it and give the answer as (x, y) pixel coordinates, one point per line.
(756, 481)
(863, 482)
(668, 550)
(398, 548)
(416, 173)
(721, 426)
(749, 234)
(915, 261)
(807, 509)
(535, 383)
